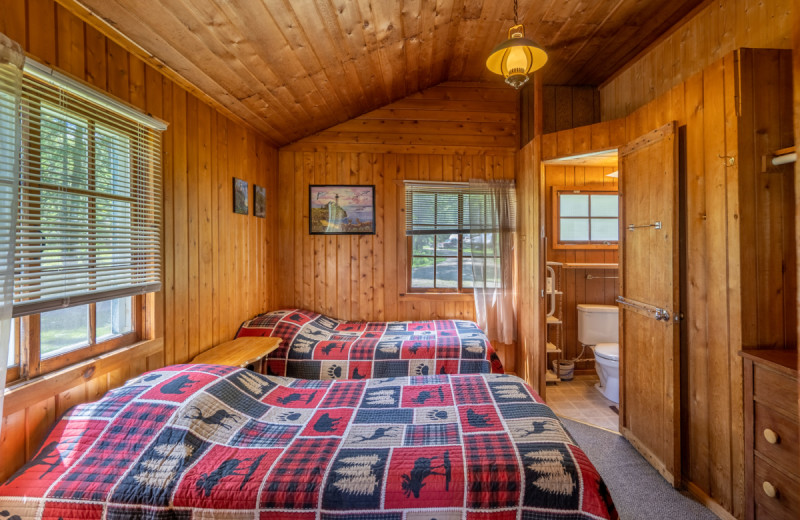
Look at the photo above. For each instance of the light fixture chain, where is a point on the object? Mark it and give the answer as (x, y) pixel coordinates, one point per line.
(516, 16)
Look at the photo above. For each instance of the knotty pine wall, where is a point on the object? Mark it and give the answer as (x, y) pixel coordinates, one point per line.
(563, 107)
(711, 393)
(451, 132)
(603, 289)
(218, 267)
(796, 76)
(531, 328)
(715, 29)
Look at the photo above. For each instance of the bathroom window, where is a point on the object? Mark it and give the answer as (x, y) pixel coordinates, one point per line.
(586, 218)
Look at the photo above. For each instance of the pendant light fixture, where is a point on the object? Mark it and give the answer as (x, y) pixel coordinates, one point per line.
(517, 57)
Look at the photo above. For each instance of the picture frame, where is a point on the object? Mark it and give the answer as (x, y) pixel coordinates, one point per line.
(341, 209)
(240, 197)
(259, 201)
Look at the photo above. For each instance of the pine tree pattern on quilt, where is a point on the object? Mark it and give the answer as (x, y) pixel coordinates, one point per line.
(207, 441)
(316, 346)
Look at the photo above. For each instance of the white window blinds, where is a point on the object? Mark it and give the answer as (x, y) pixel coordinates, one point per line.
(445, 207)
(89, 221)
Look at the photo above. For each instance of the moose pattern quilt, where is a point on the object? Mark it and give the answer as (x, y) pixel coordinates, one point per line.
(316, 346)
(210, 441)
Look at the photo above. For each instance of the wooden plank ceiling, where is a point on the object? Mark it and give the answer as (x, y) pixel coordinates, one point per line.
(292, 68)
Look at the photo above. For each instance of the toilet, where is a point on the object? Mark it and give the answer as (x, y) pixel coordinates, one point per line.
(598, 328)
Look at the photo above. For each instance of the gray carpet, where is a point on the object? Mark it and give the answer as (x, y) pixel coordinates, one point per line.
(639, 492)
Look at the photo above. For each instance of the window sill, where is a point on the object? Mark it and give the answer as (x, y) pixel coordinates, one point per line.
(610, 247)
(450, 297)
(26, 393)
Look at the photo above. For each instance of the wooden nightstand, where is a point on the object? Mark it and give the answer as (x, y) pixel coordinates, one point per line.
(249, 352)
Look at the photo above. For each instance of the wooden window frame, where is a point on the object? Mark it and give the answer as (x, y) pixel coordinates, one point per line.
(445, 292)
(27, 330)
(27, 343)
(419, 291)
(556, 216)
(460, 289)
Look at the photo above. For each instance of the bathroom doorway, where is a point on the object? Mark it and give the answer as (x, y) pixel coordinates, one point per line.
(582, 227)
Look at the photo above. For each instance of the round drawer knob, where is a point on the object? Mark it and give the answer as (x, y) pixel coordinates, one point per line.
(771, 436)
(769, 489)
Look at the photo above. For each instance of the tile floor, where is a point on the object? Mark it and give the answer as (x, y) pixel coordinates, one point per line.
(580, 400)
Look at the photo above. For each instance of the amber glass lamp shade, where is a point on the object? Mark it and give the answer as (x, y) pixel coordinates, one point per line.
(516, 58)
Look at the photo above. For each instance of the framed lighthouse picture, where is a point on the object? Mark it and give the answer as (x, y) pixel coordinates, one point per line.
(341, 209)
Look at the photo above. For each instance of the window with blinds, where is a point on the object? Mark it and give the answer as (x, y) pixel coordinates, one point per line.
(445, 236)
(89, 220)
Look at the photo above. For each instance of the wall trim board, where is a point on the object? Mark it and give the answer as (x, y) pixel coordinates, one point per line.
(20, 396)
(304, 146)
(702, 497)
(651, 458)
(796, 76)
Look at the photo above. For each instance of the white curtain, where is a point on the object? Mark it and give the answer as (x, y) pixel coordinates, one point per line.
(11, 61)
(492, 222)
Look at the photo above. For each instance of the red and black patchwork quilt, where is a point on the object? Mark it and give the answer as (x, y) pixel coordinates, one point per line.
(209, 441)
(316, 346)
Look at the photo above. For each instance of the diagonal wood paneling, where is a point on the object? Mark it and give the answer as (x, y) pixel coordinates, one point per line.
(293, 68)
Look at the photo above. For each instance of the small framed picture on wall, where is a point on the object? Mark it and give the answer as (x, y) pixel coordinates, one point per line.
(240, 196)
(259, 201)
(341, 209)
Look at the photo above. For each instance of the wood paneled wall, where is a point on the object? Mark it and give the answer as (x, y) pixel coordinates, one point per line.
(531, 335)
(766, 201)
(531, 330)
(602, 287)
(563, 107)
(218, 267)
(796, 76)
(709, 34)
(706, 105)
(452, 132)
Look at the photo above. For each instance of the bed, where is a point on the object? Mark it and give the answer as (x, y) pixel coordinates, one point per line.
(211, 441)
(316, 346)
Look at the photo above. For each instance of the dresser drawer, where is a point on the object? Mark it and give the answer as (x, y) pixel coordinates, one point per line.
(777, 390)
(785, 503)
(784, 452)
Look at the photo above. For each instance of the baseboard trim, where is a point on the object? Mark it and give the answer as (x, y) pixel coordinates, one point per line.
(649, 456)
(711, 504)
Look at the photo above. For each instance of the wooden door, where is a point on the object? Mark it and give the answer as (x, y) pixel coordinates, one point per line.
(649, 270)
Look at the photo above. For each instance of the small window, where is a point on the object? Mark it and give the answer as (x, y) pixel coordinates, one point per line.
(70, 334)
(584, 217)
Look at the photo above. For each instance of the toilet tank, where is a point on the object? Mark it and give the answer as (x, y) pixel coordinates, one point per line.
(598, 324)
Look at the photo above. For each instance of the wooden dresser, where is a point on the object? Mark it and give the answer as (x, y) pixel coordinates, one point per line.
(772, 455)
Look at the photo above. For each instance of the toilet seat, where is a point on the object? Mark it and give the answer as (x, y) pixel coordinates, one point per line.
(608, 351)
